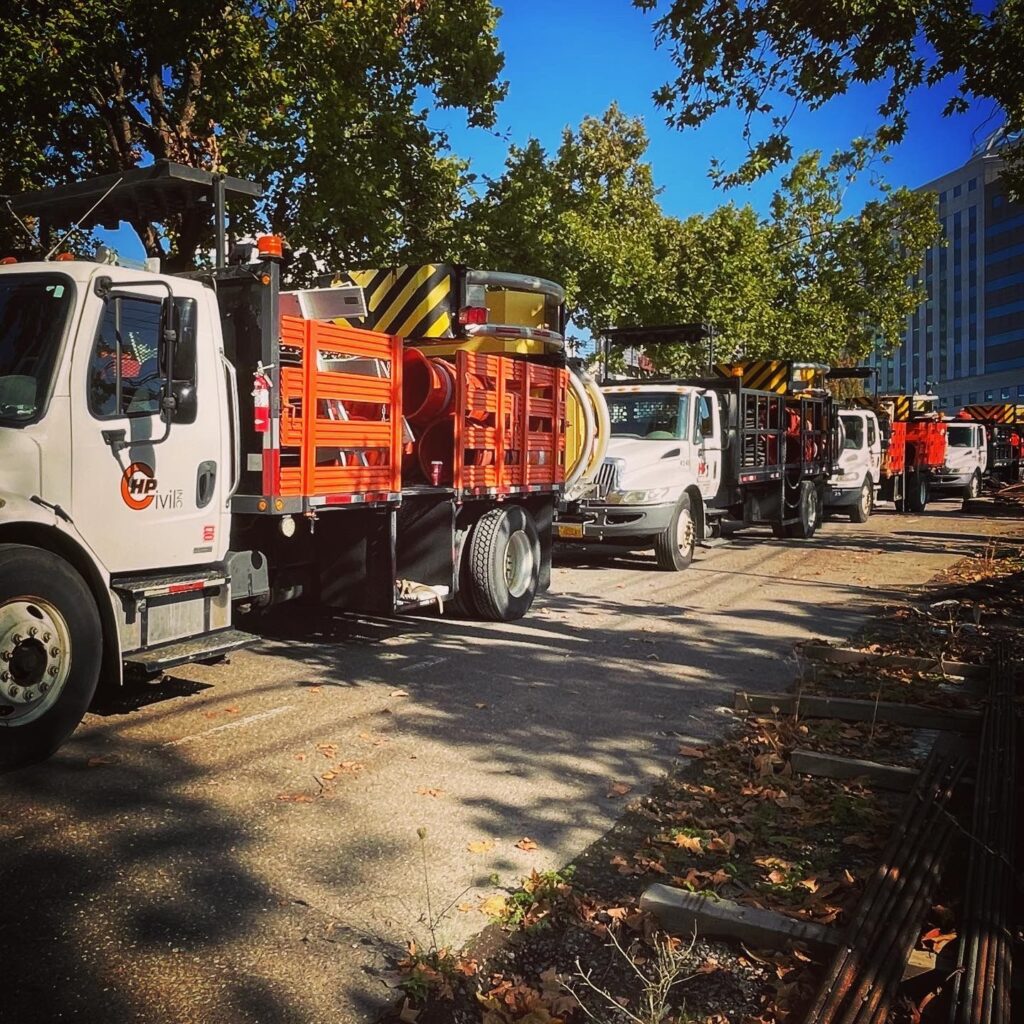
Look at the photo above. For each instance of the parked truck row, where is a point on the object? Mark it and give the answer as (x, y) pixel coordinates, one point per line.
(181, 452)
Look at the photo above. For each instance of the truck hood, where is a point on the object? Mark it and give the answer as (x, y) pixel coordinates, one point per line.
(961, 459)
(648, 463)
(20, 467)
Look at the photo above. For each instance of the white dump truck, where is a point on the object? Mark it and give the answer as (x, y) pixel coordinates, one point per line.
(752, 444)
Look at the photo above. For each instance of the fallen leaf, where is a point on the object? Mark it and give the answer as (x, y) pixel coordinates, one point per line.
(103, 759)
(295, 798)
(480, 845)
(723, 843)
(429, 791)
(465, 908)
(526, 843)
(480, 705)
(407, 1015)
(862, 842)
(351, 766)
(398, 693)
(327, 776)
(300, 757)
(687, 751)
(690, 843)
(617, 789)
(493, 906)
(936, 939)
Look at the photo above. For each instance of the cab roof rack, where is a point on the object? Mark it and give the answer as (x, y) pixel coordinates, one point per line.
(150, 193)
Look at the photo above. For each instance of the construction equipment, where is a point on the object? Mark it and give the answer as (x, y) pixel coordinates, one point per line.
(752, 443)
(1003, 424)
(146, 495)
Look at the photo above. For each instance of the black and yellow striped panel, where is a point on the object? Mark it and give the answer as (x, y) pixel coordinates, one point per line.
(411, 301)
(861, 402)
(759, 374)
(900, 405)
(1003, 413)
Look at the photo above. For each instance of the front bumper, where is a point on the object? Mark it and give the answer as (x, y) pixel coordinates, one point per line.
(842, 497)
(942, 480)
(593, 522)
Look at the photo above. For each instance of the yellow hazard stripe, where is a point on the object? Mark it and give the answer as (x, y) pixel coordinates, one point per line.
(420, 315)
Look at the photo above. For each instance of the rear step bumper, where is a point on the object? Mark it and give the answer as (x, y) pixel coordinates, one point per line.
(181, 652)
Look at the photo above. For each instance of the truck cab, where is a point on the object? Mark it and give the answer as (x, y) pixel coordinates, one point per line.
(854, 482)
(662, 467)
(966, 461)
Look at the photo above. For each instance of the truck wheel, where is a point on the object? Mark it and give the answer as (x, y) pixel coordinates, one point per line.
(861, 512)
(973, 489)
(917, 492)
(807, 512)
(504, 564)
(673, 549)
(49, 653)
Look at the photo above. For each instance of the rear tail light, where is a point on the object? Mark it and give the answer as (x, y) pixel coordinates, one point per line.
(473, 315)
(8, 260)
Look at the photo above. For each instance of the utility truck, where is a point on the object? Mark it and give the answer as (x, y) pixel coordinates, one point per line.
(1001, 455)
(858, 470)
(912, 436)
(751, 443)
(178, 448)
(966, 461)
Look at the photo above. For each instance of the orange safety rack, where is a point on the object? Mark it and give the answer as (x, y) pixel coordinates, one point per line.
(341, 422)
(928, 440)
(509, 430)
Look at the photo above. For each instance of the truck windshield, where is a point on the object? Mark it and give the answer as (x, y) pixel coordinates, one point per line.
(959, 437)
(653, 416)
(854, 427)
(34, 310)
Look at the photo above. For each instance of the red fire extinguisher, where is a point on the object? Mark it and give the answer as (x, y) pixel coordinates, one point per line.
(261, 399)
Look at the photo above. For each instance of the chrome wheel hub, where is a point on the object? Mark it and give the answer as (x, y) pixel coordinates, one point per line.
(35, 656)
(685, 533)
(518, 564)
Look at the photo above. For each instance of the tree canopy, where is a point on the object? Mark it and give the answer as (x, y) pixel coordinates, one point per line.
(807, 282)
(767, 58)
(325, 102)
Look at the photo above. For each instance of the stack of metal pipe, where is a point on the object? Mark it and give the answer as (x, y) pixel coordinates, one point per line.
(981, 993)
(866, 970)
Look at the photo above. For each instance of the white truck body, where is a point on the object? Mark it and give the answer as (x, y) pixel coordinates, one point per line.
(966, 461)
(855, 481)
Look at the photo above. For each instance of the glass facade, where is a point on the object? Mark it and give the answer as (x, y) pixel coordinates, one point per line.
(969, 330)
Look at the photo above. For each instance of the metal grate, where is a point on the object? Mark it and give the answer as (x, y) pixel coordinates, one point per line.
(609, 476)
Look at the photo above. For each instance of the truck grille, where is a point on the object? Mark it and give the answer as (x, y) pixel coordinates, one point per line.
(609, 476)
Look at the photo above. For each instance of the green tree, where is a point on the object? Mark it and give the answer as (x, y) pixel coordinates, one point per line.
(766, 58)
(325, 102)
(587, 216)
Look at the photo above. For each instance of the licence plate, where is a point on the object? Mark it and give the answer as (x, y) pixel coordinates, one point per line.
(569, 531)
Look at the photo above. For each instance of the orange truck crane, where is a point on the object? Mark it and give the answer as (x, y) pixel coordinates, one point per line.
(179, 448)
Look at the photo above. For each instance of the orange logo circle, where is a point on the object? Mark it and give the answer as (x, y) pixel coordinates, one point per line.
(138, 486)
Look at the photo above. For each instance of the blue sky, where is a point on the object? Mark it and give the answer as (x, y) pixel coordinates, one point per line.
(565, 59)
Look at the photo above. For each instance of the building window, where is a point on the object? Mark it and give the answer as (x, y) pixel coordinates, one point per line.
(956, 191)
(972, 184)
(989, 396)
(1004, 394)
(1020, 390)
(972, 397)
(957, 399)
(998, 200)
(942, 197)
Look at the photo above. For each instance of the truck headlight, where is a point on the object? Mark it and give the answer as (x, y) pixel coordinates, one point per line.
(652, 496)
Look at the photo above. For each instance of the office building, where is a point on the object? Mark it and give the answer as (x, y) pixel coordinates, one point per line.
(965, 343)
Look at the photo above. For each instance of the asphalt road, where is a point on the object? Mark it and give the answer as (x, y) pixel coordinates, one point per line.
(239, 843)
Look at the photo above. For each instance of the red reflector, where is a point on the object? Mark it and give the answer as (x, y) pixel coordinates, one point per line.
(473, 315)
(8, 260)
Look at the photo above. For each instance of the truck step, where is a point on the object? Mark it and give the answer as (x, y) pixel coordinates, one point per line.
(169, 583)
(181, 652)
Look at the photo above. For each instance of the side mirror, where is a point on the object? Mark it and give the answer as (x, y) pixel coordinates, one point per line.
(178, 360)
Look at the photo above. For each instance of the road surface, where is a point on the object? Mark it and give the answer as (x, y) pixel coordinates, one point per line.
(239, 843)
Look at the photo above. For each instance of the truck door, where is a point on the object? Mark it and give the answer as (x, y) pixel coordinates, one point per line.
(152, 504)
(980, 449)
(707, 435)
(874, 447)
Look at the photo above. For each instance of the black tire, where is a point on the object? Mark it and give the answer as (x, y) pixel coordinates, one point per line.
(503, 567)
(973, 489)
(673, 548)
(861, 512)
(917, 492)
(779, 531)
(42, 591)
(808, 510)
